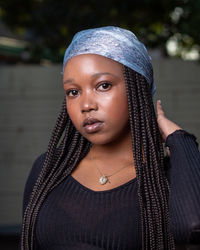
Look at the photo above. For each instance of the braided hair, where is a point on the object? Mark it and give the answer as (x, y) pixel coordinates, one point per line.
(67, 147)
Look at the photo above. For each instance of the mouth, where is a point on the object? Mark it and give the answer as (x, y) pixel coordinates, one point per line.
(92, 125)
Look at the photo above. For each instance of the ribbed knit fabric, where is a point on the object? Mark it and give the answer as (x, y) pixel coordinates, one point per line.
(74, 217)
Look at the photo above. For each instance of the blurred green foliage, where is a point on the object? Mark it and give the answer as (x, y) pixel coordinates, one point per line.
(50, 25)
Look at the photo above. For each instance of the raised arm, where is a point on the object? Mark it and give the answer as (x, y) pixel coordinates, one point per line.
(184, 177)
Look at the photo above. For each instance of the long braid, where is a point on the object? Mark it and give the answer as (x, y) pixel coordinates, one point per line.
(153, 188)
(59, 162)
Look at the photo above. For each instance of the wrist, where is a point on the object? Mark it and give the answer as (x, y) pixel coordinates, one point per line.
(172, 130)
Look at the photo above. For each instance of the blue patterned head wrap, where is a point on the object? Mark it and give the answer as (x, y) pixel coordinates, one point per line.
(115, 43)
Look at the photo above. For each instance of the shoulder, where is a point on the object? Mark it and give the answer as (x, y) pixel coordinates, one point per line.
(32, 178)
(36, 169)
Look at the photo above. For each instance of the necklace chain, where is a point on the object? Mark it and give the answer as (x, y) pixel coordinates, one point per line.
(104, 178)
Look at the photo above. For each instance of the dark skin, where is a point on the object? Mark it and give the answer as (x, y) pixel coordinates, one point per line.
(95, 87)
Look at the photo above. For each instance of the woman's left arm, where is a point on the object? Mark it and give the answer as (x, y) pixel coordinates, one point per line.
(184, 178)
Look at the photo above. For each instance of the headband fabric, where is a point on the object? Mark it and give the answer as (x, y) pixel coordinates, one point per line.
(116, 43)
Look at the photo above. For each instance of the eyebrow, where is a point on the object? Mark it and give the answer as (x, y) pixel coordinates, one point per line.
(71, 80)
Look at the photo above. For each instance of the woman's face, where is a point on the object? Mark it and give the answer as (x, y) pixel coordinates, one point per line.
(96, 98)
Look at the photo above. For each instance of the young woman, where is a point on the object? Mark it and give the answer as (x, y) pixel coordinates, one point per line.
(104, 182)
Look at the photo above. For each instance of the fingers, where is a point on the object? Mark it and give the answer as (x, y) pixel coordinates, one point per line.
(165, 125)
(159, 108)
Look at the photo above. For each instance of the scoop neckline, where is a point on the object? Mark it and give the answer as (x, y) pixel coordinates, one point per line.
(102, 191)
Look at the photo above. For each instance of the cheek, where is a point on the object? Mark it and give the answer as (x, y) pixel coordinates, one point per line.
(121, 113)
(118, 109)
(73, 114)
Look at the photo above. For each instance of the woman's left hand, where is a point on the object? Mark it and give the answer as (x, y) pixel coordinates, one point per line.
(166, 126)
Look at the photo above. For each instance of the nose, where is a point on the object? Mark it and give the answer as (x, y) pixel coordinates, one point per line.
(88, 103)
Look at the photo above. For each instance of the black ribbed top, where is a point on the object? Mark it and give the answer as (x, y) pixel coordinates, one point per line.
(75, 217)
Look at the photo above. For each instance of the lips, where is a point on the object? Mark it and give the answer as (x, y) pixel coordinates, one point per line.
(92, 125)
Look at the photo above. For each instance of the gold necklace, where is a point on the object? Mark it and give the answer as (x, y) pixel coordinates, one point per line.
(104, 178)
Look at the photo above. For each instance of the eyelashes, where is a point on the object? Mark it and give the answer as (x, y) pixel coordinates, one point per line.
(105, 86)
(71, 92)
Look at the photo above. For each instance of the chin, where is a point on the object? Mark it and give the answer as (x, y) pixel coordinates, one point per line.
(99, 140)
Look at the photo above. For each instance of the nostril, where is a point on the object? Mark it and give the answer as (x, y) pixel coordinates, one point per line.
(87, 110)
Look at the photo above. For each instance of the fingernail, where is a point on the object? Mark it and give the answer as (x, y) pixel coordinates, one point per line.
(159, 101)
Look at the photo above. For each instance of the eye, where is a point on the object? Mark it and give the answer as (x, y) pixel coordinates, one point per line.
(72, 92)
(104, 86)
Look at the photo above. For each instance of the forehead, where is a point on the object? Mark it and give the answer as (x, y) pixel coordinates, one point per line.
(91, 63)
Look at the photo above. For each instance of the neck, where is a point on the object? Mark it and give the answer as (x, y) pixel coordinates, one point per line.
(113, 154)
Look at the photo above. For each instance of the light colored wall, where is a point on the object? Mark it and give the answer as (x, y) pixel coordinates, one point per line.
(30, 99)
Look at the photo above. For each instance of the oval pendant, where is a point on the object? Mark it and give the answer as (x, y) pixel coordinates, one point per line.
(103, 179)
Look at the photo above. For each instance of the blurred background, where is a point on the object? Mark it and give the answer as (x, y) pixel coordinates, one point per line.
(33, 37)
